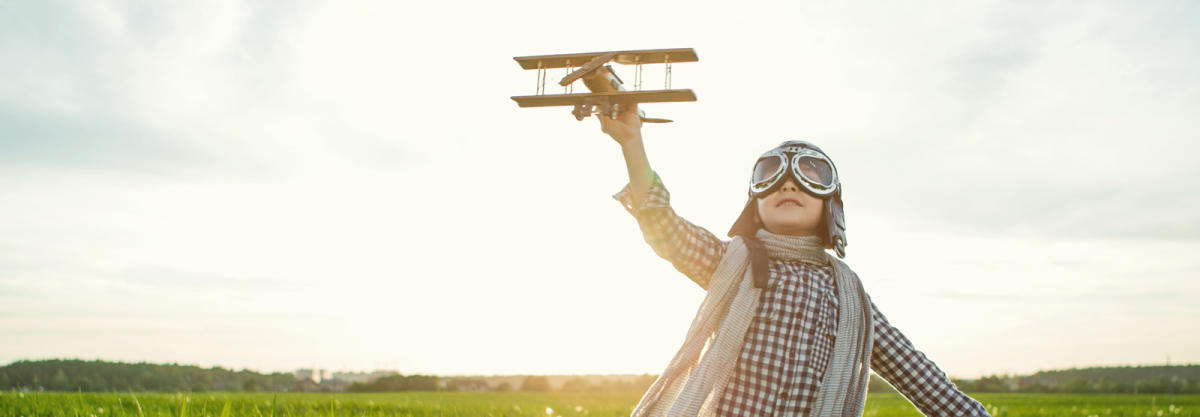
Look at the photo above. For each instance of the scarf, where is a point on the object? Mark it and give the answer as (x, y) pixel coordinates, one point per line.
(693, 381)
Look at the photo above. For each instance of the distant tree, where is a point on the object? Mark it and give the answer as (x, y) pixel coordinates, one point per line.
(1154, 385)
(1076, 386)
(99, 383)
(466, 384)
(59, 381)
(503, 387)
(83, 383)
(1031, 385)
(1106, 385)
(535, 384)
(576, 384)
(643, 382)
(398, 383)
(991, 383)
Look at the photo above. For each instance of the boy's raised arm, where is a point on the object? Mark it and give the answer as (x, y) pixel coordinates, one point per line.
(694, 251)
(626, 129)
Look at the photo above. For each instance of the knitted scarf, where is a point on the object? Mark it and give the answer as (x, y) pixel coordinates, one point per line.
(693, 381)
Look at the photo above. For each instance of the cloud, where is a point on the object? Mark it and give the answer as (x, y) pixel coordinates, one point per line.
(1076, 125)
(32, 139)
(204, 88)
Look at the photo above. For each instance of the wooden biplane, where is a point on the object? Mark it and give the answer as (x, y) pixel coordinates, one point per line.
(608, 94)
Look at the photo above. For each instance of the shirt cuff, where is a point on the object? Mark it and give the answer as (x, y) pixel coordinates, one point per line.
(657, 197)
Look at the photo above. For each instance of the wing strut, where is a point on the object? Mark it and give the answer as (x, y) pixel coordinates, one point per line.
(667, 81)
(637, 73)
(541, 77)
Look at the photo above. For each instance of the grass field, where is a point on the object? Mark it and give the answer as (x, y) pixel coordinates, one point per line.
(521, 404)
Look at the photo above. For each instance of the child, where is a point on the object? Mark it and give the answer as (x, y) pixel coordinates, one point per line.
(786, 329)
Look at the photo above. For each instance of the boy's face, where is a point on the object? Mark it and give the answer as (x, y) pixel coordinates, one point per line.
(791, 211)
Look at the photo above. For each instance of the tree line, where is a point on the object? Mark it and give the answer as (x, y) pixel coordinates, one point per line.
(73, 375)
(531, 383)
(1158, 379)
(397, 383)
(103, 376)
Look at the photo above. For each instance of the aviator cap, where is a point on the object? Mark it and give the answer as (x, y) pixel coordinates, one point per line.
(811, 168)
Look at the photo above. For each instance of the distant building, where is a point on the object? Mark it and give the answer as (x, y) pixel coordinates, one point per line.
(362, 377)
(333, 385)
(307, 374)
(305, 385)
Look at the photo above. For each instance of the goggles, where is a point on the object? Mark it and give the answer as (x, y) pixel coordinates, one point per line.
(811, 169)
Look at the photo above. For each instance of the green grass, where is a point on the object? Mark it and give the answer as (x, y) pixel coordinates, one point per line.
(1080, 405)
(33, 404)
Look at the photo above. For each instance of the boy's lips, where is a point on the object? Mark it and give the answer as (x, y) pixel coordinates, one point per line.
(789, 200)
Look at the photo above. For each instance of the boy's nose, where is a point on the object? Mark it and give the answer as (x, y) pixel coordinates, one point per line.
(790, 185)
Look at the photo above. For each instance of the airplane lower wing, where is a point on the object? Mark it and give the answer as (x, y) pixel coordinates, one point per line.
(617, 97)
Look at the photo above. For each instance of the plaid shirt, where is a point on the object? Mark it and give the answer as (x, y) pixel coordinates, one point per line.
(790, 341)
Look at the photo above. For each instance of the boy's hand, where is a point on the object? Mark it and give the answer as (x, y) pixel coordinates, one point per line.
(626, 128)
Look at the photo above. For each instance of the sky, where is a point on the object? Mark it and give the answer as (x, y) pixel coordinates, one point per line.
(348, 185)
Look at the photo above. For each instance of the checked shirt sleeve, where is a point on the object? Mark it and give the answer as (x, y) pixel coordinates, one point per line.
(693, 250)
(916, 377)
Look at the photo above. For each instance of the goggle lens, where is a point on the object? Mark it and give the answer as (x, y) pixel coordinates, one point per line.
(815, 170)
(767, 168)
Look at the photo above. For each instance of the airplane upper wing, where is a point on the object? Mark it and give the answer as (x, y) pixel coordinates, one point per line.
(619, 97)
(643, 56)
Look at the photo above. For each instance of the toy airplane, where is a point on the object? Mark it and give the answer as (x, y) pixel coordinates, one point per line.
(608, 93)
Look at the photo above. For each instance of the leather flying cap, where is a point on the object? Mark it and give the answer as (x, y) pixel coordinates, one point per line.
(834, 218)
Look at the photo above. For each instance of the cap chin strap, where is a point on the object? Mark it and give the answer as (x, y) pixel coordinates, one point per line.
(835, 224)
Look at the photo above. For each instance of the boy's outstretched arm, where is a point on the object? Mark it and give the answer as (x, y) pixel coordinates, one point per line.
(916, 377)
(693, 250)
(626, 129)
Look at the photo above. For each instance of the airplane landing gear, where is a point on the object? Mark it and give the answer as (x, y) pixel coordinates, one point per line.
(582, 111)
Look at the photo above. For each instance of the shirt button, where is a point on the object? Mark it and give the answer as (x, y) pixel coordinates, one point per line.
(783, 395)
